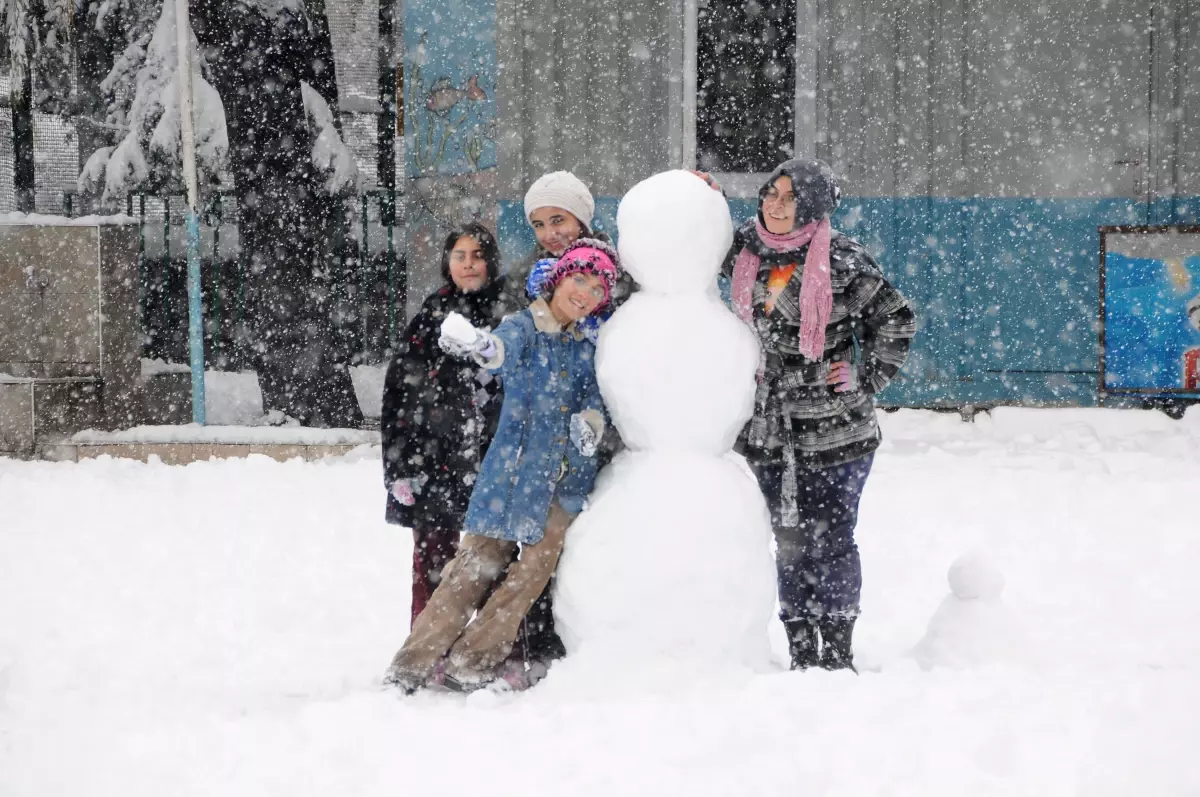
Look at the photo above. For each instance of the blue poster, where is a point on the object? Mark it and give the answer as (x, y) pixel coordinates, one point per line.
(1152, 312)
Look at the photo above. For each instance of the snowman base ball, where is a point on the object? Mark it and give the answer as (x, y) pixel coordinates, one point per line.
(670, 564)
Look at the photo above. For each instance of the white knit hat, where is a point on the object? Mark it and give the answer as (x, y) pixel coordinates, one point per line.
(561, 190)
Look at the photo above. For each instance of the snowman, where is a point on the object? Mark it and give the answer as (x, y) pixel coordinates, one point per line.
(972, 627)
(670, 565)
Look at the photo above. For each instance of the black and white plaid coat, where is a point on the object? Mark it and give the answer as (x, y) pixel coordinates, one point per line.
(799, 420)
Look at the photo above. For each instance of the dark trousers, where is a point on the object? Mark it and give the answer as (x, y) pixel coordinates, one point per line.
(433, 548)
(820, 572)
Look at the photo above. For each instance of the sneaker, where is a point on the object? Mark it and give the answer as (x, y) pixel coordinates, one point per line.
(511, 677)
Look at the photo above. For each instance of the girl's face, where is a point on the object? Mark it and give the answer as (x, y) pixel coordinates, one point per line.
(468, 267)
(576, 296)
(779, 207)
(555, 228)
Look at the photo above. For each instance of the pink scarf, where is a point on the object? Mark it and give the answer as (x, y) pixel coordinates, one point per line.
(816, 291)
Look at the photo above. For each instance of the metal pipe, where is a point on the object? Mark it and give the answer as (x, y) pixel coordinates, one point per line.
(188, 142)
(385, 201)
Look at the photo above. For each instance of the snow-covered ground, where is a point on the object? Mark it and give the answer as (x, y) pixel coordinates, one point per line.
(220, 629)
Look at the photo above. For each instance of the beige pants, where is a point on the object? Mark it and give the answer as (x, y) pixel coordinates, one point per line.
(477, 648)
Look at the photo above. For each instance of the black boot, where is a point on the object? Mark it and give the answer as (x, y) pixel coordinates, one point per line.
(541, 642)
(836, 650)
(802, 642)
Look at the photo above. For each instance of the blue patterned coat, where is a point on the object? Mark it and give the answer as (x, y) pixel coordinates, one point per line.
(549, 374)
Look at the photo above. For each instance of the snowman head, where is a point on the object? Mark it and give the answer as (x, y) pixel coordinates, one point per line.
(674, 233)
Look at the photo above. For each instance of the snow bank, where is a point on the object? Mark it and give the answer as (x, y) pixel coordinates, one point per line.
(255, 435)
(221, 628)
(1078, 431)
(64, 221)
(233, 398)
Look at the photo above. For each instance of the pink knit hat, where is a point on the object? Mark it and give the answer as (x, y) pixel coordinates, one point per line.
(587, 256)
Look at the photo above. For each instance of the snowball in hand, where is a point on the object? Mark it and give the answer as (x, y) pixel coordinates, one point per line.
(458, 329)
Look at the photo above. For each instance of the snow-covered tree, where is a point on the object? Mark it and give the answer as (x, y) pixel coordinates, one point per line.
(143, 105)
(37, 39)
(147, 156)
(266, 104)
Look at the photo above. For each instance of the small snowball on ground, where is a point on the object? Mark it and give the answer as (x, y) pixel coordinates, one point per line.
(972, 627)
(973, 577)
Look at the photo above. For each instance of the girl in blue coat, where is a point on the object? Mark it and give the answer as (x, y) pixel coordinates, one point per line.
(535, 478)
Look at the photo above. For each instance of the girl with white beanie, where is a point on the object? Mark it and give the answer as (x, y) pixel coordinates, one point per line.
(559, 207)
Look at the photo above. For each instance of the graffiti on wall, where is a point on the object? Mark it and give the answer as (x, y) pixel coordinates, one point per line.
(450, 86)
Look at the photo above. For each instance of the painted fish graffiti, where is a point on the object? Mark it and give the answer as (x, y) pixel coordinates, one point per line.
(444, 96)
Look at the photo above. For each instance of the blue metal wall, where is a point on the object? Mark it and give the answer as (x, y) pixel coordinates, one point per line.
(993, 328)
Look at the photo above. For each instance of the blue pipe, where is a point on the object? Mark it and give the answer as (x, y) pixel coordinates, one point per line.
(195, 316)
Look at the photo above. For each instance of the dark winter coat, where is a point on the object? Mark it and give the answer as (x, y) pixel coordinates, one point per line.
(437, 410)
(826, 428)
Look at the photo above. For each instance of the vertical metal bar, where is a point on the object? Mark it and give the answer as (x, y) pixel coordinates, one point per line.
(806, 79)
(363, 259)
(386, 122)
(1100, 394)
(166, 234)
(341, 295)
(216, 269)
(142, 288)
(691, 10)
(187, 136)
(1150, 170)
(241, 284)
(385, 204)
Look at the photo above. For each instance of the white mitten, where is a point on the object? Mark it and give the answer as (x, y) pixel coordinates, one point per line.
(462, 339)
(583, 436)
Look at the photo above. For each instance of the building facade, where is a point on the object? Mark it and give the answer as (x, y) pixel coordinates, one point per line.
(981, 144)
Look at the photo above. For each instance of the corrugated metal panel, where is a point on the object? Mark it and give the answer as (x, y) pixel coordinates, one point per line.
(584, 89)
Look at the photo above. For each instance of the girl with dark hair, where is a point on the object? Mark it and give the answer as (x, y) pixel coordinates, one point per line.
(535, 478)
(435, 409)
